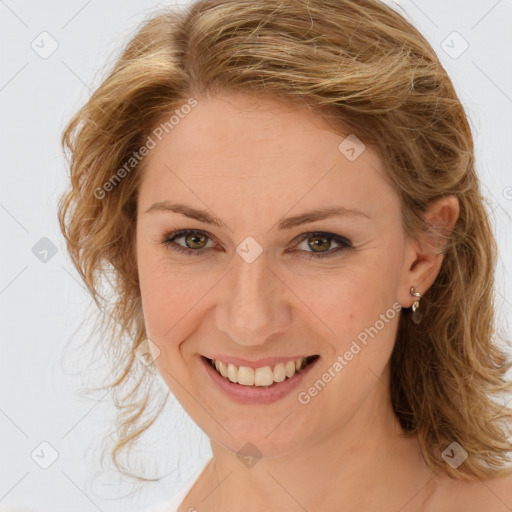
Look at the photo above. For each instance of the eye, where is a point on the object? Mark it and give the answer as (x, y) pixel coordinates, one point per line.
(320, 242)
(196, 243)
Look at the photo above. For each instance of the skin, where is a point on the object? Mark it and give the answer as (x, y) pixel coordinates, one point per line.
(252, 162)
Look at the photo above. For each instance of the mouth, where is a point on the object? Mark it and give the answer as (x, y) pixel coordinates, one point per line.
(262, 377)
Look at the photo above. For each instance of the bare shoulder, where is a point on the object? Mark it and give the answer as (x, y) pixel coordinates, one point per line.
(485, 495)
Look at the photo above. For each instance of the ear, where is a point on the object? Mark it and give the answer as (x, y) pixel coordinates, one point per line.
(425, 254)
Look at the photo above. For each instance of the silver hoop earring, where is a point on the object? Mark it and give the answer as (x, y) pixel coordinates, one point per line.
(416, 313)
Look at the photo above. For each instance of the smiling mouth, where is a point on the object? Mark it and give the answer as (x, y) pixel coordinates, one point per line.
(264, 376)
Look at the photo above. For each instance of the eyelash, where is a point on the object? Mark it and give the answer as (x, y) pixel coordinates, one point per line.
(168, 241)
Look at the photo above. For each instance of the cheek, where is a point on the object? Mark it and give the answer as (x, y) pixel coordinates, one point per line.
(160, 294)
(171, 298)
(364, 316)
(360, 309)
(348, 302)
(164, 305)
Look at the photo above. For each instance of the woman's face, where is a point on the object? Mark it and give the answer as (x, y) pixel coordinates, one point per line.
(267, 283)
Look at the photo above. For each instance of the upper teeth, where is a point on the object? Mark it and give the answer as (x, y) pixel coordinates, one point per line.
(263, 376)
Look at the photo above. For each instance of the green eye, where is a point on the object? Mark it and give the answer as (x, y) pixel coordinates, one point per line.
(321, 242)
(196, 243)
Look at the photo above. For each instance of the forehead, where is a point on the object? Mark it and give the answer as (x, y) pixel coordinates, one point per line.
(237, 149)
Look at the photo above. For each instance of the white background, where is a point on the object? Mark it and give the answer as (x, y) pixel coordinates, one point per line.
(42, 303)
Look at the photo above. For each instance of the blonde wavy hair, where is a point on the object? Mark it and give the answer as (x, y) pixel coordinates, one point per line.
(365, 68)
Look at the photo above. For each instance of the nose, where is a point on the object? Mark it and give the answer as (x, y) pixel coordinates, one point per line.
(254, 306)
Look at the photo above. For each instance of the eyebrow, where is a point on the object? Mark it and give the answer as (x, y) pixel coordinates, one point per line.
(287, 223)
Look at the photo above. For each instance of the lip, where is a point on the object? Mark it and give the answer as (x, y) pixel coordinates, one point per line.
(255, 394)
(266, 361)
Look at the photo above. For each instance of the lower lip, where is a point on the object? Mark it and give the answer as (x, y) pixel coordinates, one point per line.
(256, 394)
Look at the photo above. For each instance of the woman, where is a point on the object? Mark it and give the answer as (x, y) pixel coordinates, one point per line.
(285, 196)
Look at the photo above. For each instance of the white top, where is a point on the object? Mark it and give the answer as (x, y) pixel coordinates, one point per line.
(173, 503)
